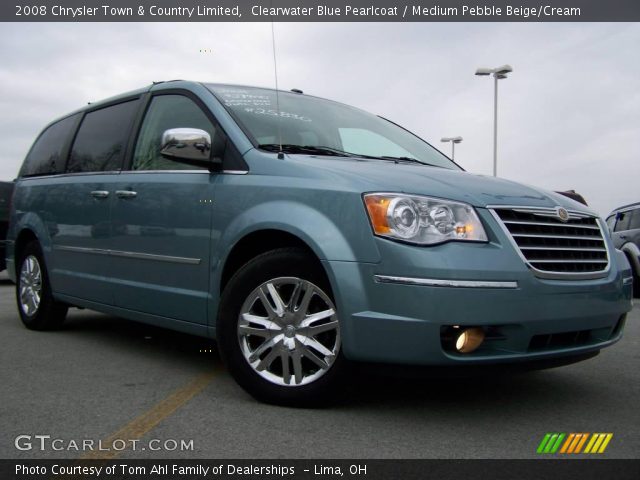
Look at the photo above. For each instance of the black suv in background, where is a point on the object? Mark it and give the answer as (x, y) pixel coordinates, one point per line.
(624, 223)
(6, 191)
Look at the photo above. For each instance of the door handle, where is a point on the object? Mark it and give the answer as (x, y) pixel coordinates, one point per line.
(99, 194)
(126, 194)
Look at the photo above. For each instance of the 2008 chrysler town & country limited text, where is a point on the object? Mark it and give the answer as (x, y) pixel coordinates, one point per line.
(302, 233)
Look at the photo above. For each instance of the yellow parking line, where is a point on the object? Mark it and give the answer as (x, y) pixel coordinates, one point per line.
(143, 424)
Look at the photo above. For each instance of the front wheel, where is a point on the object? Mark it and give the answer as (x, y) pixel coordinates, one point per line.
(279, 331)
(36, 305)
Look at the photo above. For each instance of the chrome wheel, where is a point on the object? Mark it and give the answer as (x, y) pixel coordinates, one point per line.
(30, 285)
(289, 331)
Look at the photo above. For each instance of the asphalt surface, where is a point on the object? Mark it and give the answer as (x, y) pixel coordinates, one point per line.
(103, 377)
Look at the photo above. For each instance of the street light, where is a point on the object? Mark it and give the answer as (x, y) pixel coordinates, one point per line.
(498, 74)
(453, 141)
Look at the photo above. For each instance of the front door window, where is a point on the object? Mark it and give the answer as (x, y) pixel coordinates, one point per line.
(164, 113)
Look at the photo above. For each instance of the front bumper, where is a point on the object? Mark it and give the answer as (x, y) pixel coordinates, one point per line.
(487, 285)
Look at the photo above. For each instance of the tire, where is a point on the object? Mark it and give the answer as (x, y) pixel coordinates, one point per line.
(257, 339)
(636, 275)
(36, 305)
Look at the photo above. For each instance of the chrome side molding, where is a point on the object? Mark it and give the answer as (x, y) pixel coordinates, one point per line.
(121, 253)
(434, 282)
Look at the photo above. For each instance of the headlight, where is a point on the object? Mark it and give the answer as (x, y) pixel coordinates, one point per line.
(422, 220)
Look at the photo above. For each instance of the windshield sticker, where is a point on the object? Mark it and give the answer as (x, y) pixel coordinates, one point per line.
(274, 113)
(257, 104)
(238, 98)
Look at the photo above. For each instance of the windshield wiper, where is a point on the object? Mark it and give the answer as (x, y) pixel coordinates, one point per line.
(401, 159)
(322, 150)
(411, 160)
(304, 149)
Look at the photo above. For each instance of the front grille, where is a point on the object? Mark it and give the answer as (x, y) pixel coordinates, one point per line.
(553, 247)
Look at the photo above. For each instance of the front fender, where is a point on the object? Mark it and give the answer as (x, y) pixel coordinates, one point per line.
(327, 240)
(319, 232)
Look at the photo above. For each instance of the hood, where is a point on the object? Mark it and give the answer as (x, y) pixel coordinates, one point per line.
(477, 190)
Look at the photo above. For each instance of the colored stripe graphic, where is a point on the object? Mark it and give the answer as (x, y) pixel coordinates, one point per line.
(604, 445)
(581, 442)
(576, 441)
(543, 443)
(556, 445)
(594, 437)
(573, 443)
(550, 443)
(598, 443)
(567, 443)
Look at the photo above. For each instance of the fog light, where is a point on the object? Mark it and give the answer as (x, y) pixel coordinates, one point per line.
(469, 339)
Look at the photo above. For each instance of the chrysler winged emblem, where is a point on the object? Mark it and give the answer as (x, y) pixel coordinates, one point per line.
(562, 213)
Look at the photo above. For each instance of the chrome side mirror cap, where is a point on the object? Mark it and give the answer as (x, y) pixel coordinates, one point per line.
(189, 145)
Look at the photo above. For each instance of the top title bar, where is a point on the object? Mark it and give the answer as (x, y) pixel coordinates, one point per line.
(319, 11)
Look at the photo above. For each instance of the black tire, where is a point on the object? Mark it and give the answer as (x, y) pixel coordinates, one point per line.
(635, 274)
(275, 264)
(48, 314)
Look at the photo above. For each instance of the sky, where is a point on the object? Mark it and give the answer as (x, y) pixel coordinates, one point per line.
(569, 114)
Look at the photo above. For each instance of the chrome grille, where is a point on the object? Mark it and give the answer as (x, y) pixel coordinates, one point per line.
(554, 248)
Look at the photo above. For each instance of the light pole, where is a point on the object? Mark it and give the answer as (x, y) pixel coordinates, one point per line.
(498, 74)
(453, 141)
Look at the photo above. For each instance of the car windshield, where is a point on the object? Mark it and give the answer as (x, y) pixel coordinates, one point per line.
(315, 126)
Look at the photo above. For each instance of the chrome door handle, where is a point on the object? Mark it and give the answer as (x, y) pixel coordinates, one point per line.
(99, 194)
(126, 194)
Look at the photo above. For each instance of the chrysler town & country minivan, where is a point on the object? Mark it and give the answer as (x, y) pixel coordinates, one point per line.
(303, 235)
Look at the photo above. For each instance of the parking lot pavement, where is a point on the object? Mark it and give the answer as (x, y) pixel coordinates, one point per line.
(103, 378)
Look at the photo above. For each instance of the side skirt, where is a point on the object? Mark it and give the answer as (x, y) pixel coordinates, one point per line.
(156, 320)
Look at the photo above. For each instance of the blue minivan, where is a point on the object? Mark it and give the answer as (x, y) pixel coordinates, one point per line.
(303, 235)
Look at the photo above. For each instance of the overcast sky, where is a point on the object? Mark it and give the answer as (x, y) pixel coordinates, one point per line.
(569, 115)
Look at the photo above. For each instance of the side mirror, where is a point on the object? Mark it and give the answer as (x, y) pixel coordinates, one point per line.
(187, 145)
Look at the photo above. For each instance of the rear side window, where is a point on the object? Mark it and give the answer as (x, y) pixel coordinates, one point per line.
(47, 156)
(634, 221)
(102, 139)
(623, 221)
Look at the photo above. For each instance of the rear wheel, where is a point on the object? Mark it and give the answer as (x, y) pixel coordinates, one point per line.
(36, 306)
(279, 331)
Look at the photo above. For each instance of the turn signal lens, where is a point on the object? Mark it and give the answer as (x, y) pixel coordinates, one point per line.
(378, 207)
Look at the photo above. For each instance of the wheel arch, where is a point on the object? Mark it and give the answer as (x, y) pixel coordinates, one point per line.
(632, 252)
(258, 242)
(285, 223)
(24, 237)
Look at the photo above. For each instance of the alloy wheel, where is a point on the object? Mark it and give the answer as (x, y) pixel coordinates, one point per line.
(30, 285)
(289, 331)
